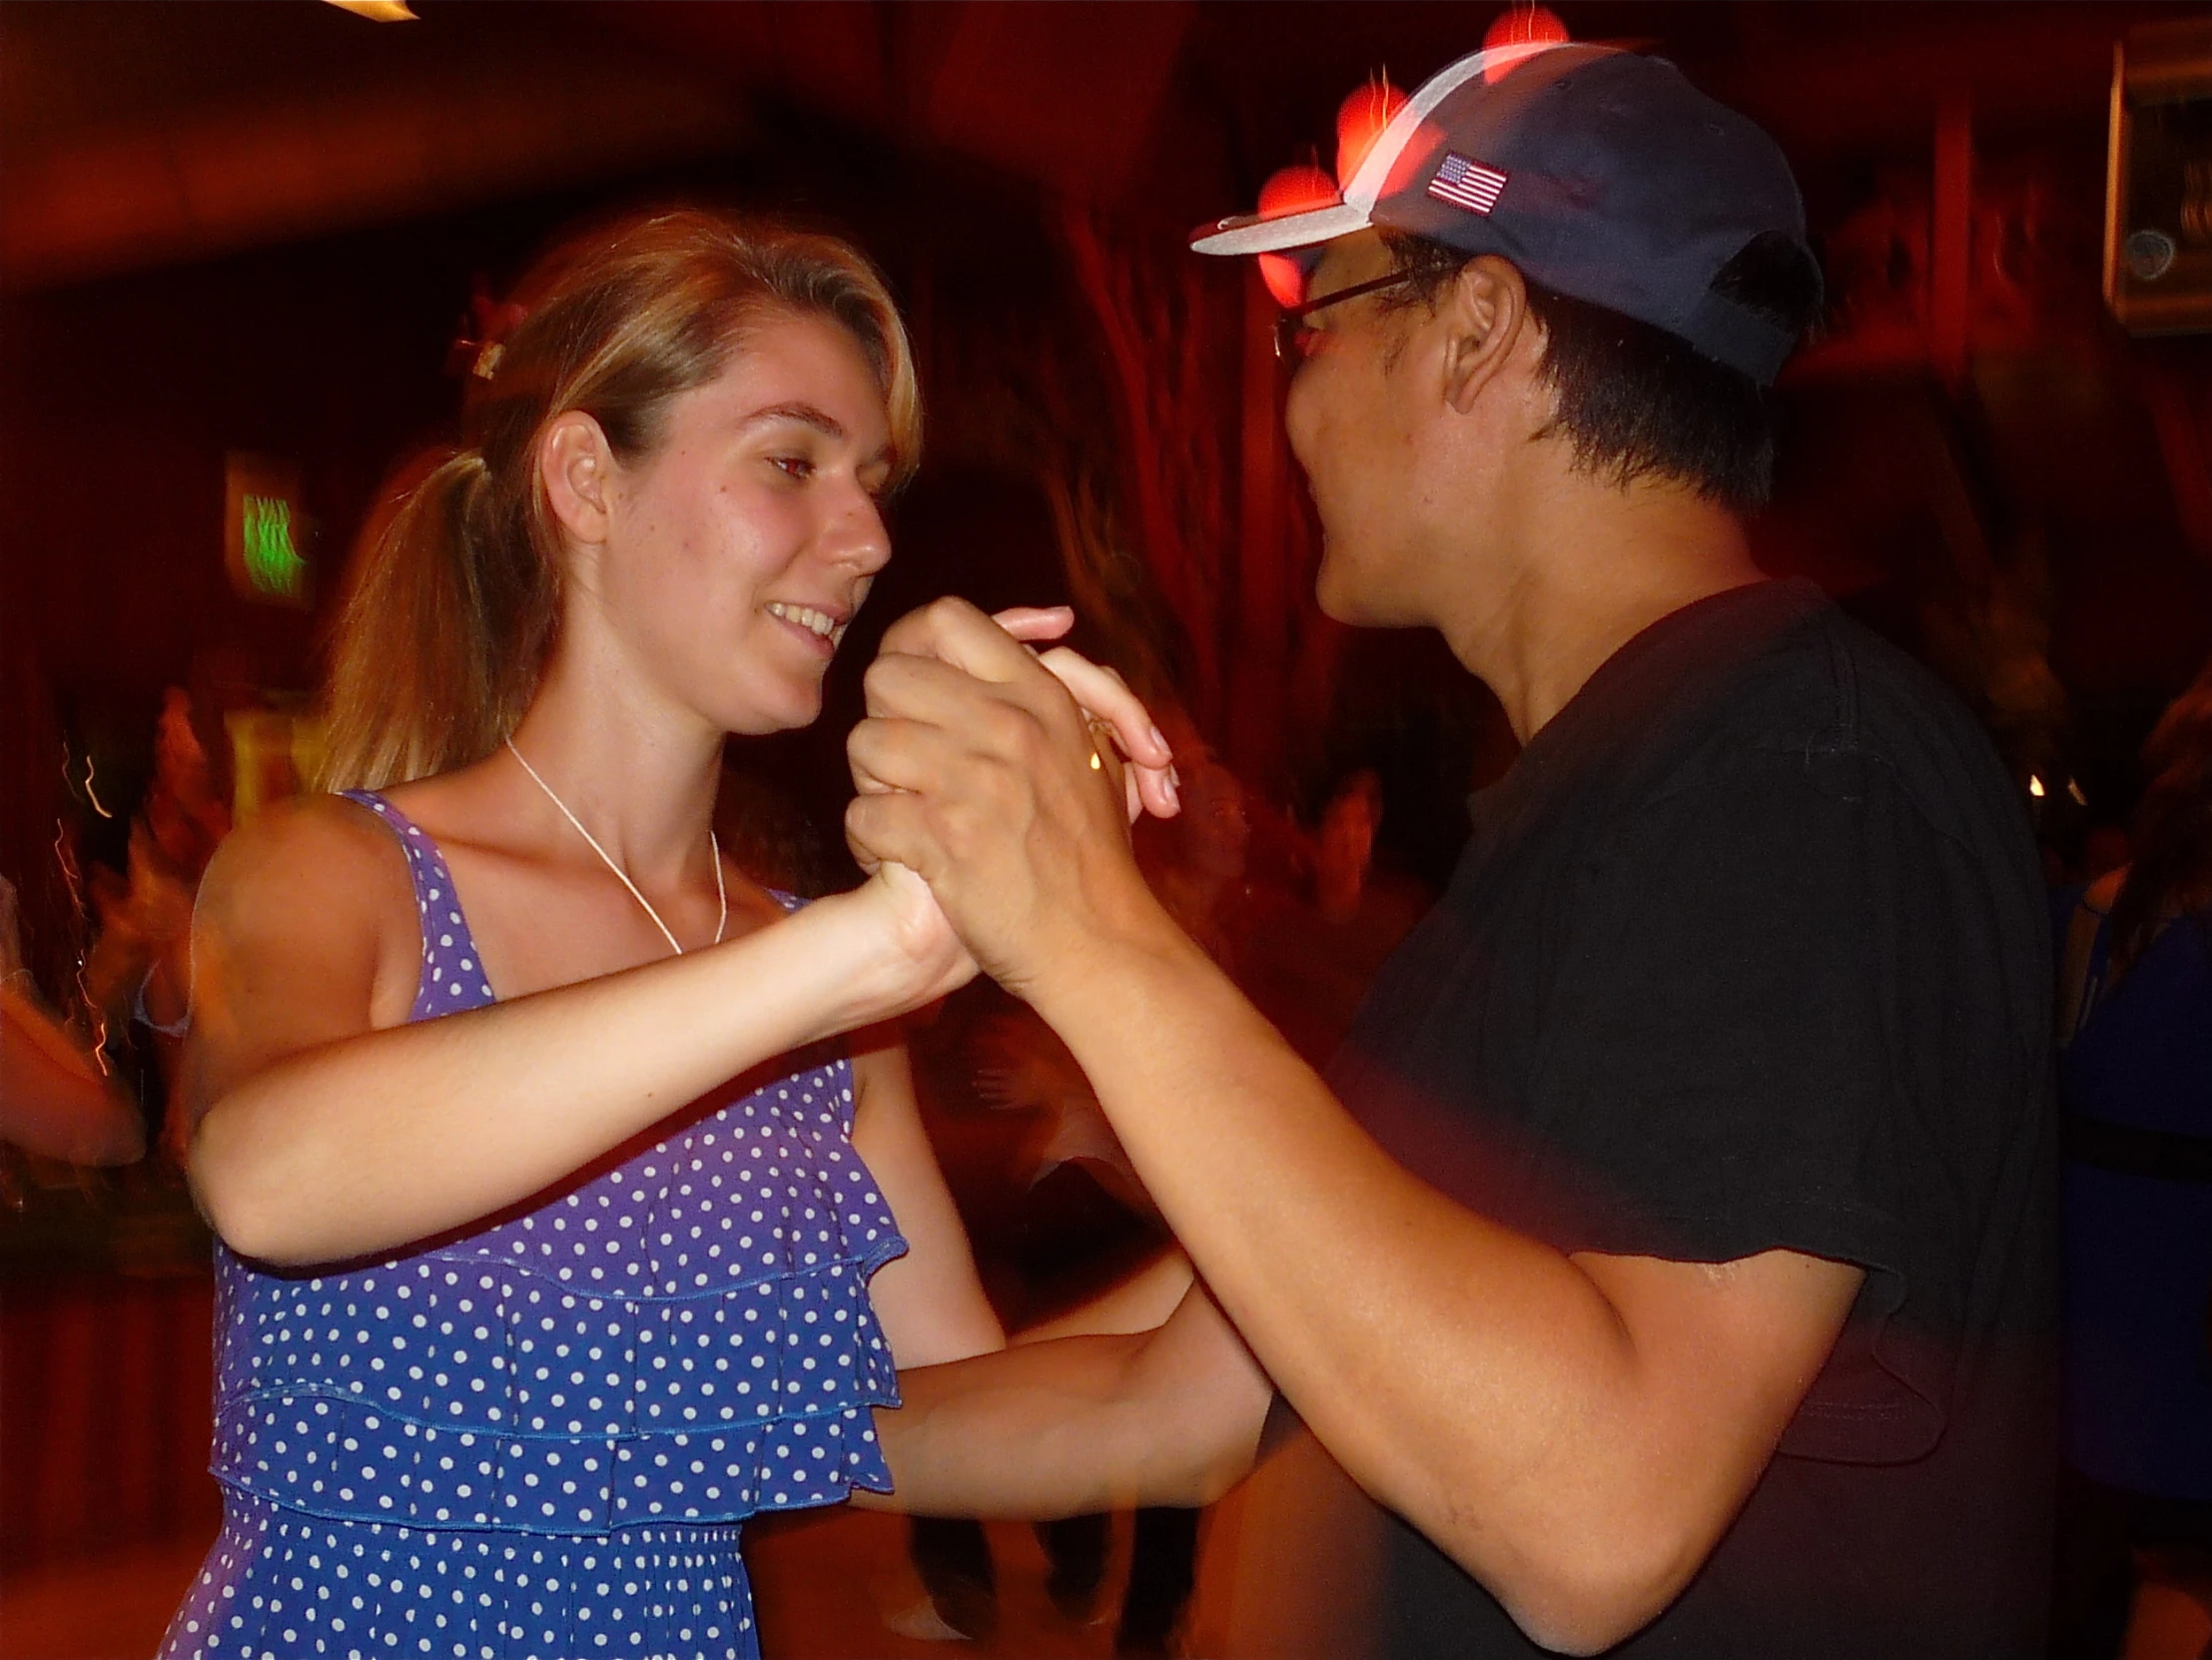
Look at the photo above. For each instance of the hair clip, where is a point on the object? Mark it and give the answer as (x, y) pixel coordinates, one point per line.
(481, 341)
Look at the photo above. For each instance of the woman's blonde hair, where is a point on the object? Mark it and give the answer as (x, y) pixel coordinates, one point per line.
(455, 596)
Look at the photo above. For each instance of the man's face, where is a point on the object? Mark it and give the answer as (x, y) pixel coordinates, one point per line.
(1352, 416)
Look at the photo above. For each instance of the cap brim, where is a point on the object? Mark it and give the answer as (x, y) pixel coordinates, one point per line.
(1256, 233)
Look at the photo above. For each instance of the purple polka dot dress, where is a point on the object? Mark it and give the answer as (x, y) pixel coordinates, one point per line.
(537, 1440)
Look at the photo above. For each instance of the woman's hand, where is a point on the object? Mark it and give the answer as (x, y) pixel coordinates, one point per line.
(1127, 745)
(978, 767)
(1109, 706)
(1139, 753)
(926, 959)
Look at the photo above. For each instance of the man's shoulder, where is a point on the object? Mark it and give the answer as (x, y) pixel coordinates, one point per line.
(1821, 674)
(1828, 698)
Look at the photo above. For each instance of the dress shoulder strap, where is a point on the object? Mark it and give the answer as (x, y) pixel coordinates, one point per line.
(453, 977)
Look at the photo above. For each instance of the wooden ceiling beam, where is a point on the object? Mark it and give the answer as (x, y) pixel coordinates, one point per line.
(217, 181)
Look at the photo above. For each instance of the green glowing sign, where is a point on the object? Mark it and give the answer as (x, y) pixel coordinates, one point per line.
(273, 563)
(266, 537)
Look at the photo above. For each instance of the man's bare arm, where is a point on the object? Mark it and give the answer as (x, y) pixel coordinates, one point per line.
(1576, 1432)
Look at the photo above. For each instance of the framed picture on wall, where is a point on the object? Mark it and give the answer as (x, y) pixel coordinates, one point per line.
(2158, 188)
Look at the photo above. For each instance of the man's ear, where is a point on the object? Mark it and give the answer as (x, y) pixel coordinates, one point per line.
(577, 466)
(1485, 313)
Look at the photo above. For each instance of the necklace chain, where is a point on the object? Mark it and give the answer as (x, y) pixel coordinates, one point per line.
(714, 848)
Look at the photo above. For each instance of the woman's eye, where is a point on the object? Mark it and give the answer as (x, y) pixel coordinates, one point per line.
(795, 466)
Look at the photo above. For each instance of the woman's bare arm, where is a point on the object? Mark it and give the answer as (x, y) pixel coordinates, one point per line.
(1141, 1301)
(1149, 1412)
(330, 1128)
(930, 1302)
(1075, 1426)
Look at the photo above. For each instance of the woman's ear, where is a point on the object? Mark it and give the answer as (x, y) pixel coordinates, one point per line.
(577, 466)
(1486, 315)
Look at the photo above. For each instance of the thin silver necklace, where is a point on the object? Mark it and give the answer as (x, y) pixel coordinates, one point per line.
(721, 893)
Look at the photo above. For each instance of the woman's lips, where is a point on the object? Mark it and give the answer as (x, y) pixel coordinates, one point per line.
(819, 628)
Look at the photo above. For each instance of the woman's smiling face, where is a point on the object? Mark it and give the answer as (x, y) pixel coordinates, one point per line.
(739, 548)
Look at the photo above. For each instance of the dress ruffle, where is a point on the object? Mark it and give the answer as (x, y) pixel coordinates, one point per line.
(687, 1337)
(573, 1413)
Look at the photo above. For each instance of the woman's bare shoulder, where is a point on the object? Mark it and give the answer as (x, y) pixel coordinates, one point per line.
(312, 855)
(468, 808)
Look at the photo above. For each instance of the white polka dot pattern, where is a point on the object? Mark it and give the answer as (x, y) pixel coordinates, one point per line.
(676, 1342)
(278, 1585)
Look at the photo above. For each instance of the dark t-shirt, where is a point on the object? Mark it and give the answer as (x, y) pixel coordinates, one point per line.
(1748, 950)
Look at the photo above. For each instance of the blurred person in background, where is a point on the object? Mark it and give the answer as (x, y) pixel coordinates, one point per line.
(1669, 1248)
(1074, 1168)
(1345, 846)
(1308, 958)
(1195, 862)
(2104, 850)
(2135, 1086)
(558, 1231)
(57, 1097)
(140, 966)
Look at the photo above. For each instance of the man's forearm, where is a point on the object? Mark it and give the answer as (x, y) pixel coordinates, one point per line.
(1477, 1381)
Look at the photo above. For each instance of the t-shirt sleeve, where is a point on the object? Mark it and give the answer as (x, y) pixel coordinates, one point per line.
(1752, 1017)
(1721, 1075)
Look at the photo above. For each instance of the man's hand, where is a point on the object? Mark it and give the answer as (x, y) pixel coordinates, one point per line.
(980, 770)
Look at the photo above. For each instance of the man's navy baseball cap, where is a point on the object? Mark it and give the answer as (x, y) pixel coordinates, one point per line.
(1599, 173)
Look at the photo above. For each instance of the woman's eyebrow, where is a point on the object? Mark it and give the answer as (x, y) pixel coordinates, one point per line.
(806, 415)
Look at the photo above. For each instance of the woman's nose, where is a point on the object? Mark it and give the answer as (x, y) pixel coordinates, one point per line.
(859, 537)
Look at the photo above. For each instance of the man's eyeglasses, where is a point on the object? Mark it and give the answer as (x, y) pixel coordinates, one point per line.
(1295, 337)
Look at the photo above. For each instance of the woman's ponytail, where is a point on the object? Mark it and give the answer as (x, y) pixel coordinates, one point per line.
(441, 633)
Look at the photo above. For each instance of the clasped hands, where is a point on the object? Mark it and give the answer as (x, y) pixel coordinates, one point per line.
(1006, 778)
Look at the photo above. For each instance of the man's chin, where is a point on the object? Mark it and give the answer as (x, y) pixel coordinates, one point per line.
(1332, 588)
(1365, 610)
(1338, 596)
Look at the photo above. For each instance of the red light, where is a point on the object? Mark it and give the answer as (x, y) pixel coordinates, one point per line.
(1283, 278)
(1291, 190)
(1360, 122)
(1521, 26)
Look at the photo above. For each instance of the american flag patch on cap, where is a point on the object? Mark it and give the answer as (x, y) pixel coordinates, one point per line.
(1467, 183)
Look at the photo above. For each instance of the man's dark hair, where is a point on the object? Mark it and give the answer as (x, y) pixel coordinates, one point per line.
(1636, 400)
